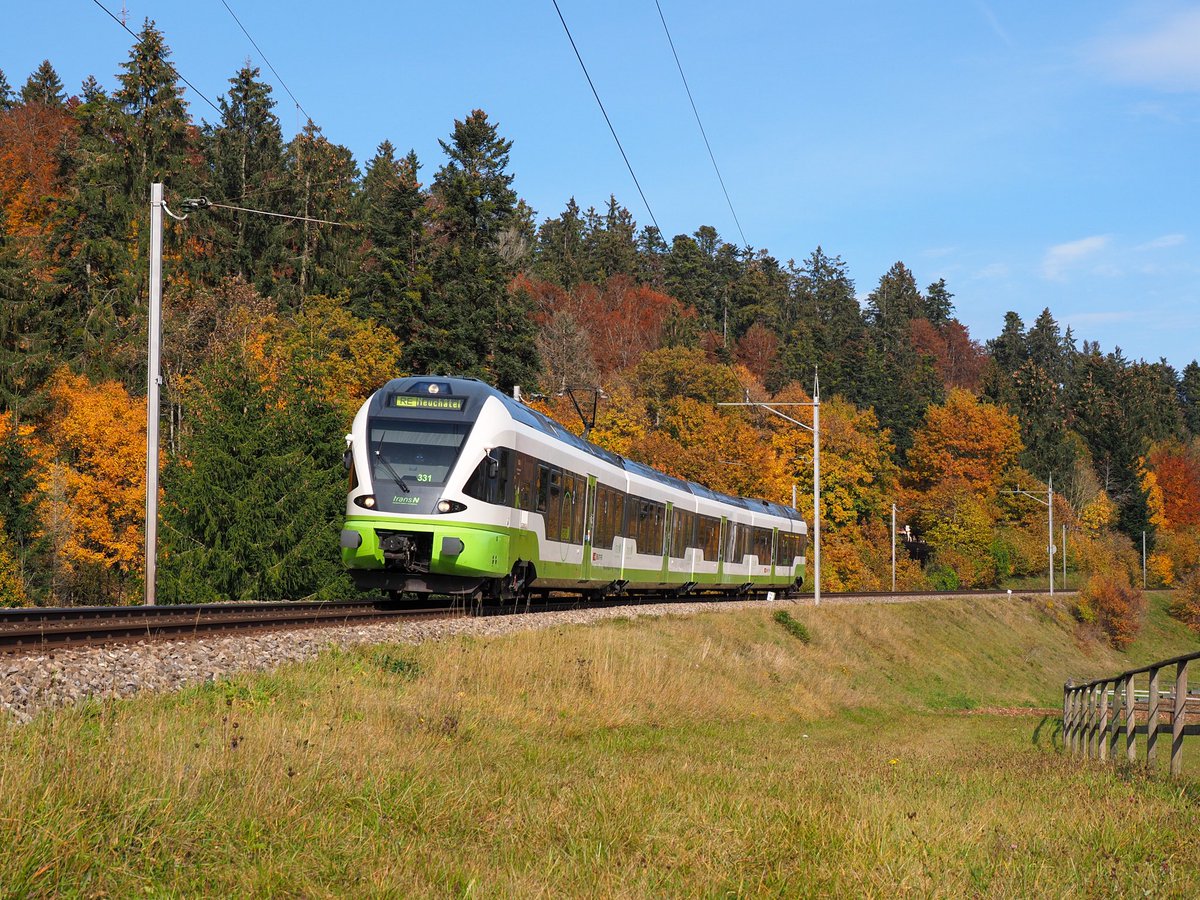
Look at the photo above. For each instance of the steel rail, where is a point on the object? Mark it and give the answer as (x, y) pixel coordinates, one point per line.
(47, 628)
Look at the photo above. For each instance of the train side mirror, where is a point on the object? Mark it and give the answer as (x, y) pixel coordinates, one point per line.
(493, 465)
(347, 459)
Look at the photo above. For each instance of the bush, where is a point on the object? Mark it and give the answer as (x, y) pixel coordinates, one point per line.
(1185, 605)
(791, 626)
(1113, 604)
(942, 577)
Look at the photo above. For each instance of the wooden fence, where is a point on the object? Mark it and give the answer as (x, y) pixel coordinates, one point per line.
(1096, 714)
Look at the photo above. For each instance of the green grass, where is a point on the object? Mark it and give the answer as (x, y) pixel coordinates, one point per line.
(713, 755)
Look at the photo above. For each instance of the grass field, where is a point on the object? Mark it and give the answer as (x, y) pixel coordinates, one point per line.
(717, 755)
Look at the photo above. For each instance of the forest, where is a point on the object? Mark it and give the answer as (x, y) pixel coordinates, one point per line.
(275, 330)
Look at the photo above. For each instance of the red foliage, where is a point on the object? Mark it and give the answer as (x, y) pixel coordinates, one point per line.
(958, 359)
(625, 319)
(1177, 470)
(30, 136)
(757, 350)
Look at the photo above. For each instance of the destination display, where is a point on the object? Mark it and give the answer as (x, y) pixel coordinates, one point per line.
(409, 401)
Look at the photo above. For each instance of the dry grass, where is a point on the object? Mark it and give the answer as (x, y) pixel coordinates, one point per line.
(712, 755)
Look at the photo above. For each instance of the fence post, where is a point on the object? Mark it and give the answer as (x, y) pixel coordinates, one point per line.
(1093, 749)
(1130, 721)
(1102, 724)
(1152, 720)
(1114, 721)
(1178, 717)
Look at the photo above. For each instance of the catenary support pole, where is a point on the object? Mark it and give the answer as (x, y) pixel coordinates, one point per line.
(816, 430)
(893, 548)
(1050, 530)
(153, 383)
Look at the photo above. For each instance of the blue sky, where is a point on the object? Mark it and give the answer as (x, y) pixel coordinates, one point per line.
(1033, 154)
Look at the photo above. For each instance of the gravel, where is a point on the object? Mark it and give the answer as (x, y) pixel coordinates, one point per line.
(33, 681)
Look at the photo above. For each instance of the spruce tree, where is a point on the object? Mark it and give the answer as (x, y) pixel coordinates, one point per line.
(1189, 397)
(253, 512)
(474, 326)
(6, 93)
(19, 499)
(393, 279)
(44, 87)
(245, 154)
(322, 182)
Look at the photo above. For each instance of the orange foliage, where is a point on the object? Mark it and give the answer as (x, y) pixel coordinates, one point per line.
(959, 360)
(1177, 474)
(30, 136)
(94, 476)
(964, 439)
(1113, 604)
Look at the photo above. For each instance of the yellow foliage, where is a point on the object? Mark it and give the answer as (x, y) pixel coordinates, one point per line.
(343, 356)
(1156, 507)
(1100, 513)
(1160, 570)
(93, 475)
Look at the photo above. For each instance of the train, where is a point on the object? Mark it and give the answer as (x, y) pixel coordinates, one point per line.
(456, 488)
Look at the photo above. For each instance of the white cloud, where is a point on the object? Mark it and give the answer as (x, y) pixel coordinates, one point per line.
(993, 270)
(1060, 257)
(1161, 243)
(1166, 56)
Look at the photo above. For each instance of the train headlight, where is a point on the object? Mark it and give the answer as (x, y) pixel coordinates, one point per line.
(449, 506)
(366, 500)
(443, 506)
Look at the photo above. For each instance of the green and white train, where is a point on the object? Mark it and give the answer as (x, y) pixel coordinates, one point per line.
(457, 488)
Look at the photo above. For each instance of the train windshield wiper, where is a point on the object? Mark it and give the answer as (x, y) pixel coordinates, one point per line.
(399, 479)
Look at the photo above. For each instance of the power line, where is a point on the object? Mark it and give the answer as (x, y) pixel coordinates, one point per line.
(679, 65)
(170, 65)
(606, 118)
(282, 83)
(205, 203)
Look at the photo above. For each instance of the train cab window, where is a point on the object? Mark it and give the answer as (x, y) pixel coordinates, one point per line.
(414, 452)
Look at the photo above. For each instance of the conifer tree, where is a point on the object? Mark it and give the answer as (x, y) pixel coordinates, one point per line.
(322, 179)
(19, 497)
(254, 510)
(1189, 397)
(474, 326)
(246, 161)
(6, 93)
(44, 87)
(393, 279)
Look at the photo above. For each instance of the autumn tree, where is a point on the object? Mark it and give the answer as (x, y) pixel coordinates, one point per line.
(967, 440)
(93, 485)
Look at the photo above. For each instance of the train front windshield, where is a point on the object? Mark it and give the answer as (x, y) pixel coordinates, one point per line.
(417, 452)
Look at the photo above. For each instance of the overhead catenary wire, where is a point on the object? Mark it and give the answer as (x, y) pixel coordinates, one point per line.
(279, 77)
(703, 134)
(170, 65)
(204, 203)
(596, 94)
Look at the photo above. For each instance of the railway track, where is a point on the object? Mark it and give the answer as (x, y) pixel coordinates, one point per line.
(37, 628)
(48, 628)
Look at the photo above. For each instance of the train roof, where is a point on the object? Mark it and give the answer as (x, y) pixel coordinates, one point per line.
(473, 388)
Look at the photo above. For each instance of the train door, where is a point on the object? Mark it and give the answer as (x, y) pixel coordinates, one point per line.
(589, 528)
(721, 549)
(666, 544)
